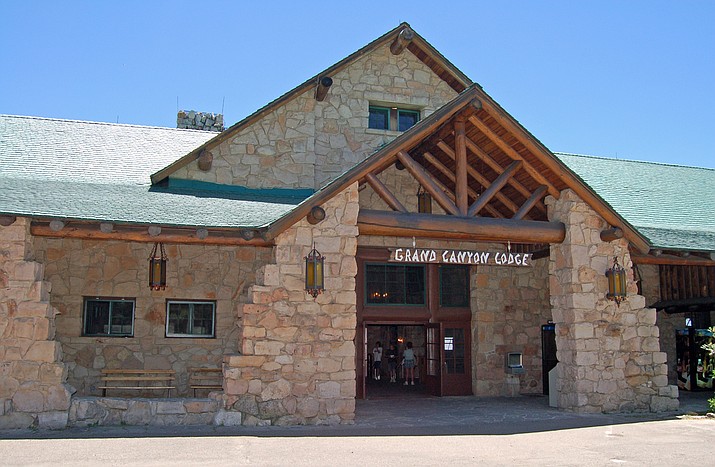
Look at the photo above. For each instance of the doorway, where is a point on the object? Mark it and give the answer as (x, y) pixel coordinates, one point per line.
(397, 335)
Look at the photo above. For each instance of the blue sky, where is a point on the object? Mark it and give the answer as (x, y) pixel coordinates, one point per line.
(626, 79)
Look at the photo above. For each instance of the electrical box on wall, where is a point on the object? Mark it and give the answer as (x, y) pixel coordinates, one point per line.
(514, 363)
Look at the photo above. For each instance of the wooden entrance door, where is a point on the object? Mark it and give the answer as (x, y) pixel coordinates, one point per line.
(433, 360)
(456, 359)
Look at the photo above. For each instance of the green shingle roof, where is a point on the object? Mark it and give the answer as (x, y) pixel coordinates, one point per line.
(671, 205)
(101, 171)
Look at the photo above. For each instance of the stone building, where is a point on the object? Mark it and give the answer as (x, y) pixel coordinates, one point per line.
(441, 220)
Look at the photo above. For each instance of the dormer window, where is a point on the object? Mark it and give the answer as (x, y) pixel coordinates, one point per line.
(392, 118)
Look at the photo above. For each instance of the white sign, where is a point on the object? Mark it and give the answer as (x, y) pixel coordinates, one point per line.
(426, 255)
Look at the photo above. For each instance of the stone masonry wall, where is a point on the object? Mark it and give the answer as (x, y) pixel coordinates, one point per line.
(609, 356)
(33, 379)
(91, 268)
(305, 143)
(509, 306)
(297, 362)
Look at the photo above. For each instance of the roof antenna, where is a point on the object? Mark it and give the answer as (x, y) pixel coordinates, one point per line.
(223, 103)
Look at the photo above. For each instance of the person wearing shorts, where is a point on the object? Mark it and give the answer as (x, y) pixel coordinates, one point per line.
(377, 360)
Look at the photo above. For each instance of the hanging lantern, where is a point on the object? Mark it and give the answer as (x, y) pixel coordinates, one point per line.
(424, 201)
(314, 275)
(157, 267)
(617, 286)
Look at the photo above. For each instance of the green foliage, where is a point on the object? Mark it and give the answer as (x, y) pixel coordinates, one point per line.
(711, 402)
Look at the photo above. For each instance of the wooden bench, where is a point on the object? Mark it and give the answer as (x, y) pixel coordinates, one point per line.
(205, 378)
(138, 380)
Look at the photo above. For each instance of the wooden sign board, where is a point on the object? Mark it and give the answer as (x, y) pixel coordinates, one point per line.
(435, 256)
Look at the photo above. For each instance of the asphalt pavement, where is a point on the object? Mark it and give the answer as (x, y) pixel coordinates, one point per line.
(410, 431)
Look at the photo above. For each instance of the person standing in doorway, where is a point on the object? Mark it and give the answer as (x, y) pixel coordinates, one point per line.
(377, 360)
(408, 363)
(392, 363)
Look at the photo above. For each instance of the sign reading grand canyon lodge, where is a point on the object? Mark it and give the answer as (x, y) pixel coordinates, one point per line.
(426, 255)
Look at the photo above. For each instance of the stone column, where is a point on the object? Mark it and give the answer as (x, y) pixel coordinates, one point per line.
(609, 356)
(33, 389)
(297, 364)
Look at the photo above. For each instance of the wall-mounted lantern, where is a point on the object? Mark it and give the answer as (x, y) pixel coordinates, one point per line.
(424, 201)
(314, 273)
(617, 287)
(157, 267)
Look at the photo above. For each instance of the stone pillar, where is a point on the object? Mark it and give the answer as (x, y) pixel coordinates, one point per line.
(298, 354)
(609, 356)
(33, 389)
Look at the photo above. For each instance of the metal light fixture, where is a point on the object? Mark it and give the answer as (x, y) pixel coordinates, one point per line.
(617, 287)
(424, 201)
(314, 273)
(157, 267)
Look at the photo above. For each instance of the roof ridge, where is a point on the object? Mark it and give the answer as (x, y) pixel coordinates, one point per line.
(589, 156)
(134, 125)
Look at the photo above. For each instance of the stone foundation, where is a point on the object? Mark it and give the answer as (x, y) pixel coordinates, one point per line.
(92, 411)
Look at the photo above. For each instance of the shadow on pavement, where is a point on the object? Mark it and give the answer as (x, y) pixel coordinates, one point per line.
(409, 416)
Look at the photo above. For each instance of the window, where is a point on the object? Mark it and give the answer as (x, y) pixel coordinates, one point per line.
(112, 317)
(454, 286)
(190, 318)
(394, 284)
(385, 118)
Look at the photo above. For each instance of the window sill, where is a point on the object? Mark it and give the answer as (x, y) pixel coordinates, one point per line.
(373, 131)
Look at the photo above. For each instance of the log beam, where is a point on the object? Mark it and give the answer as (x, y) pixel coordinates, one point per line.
(385, 193)
(482, 155)
(530, 203)
(448, 173)
(140, 234)
(497, 185)
(321, 90)
(315, 215)
(458, 228)
(205, 160)
(401, 41)
(479, 178)
(511, 152)
(460, 150)
(6, 221)
(427, 183)
(610, 235)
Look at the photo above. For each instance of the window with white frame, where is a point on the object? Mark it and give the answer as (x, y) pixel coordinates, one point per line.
(392, 118)
(186, 318)
(112, 317)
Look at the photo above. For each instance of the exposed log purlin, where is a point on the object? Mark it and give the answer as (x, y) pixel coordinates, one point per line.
(497, 185)
(482, 155)
(530, 203)
(136, 234)
(480, 178)
(511, 152)
(427, 183)
(448, 173)
(384, 193)
(610, 235)
(460, 150)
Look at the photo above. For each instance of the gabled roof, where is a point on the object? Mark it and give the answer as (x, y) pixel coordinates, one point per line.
(422, 49)
(499, 138)
(672, 205)
(93, 171)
